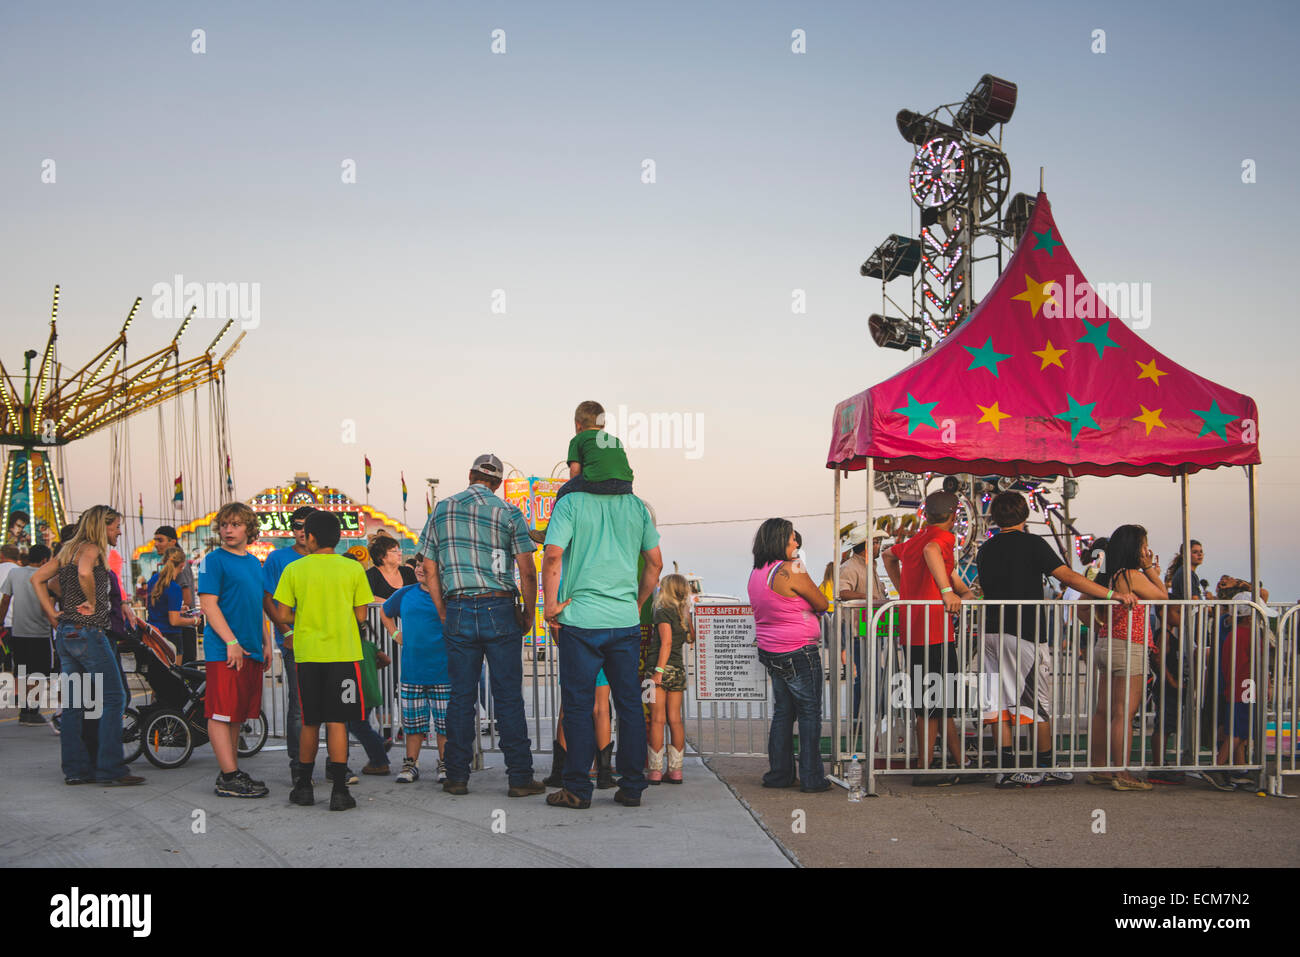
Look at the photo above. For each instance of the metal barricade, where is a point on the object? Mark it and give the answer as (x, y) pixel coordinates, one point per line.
(1089, 704)
(1283, 720)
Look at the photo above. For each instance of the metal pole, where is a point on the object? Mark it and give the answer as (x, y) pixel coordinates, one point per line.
(868, 657)
(1254, 533)
(1187, 552)
(836, 619)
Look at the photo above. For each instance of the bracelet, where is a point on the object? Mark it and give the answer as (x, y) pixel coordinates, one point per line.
(1110, 594)
(231, 644)
(658, 669)
(1147, 567)
(944, 591)
(287, 633)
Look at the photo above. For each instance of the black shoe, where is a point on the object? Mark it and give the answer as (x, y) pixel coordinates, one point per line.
(793, 784)
(627, 798)
(302, 794)
(605, 767)
(556, 778)
(533, 786)
(340, 798)
(72, 781)
(125, 781)
(818, 788)
(239, 786)
(251, 780)
(455, 787)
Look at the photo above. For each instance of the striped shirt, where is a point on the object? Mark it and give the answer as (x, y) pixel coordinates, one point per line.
(474, 536)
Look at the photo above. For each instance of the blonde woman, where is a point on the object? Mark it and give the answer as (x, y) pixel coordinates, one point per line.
(85, 651)
(165, 597)
(672, 626)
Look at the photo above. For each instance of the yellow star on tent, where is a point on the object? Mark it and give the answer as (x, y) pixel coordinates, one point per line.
(1149, 371)
(1050, 356)
(1036, 293)
(1150, 418)
(992, 415)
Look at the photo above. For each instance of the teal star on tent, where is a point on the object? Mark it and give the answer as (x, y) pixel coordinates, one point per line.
(985, 357)
(1099, 337)
(918, 413)
(1079, 417)
(846, 419)
(1215, 419)
(1045, 241)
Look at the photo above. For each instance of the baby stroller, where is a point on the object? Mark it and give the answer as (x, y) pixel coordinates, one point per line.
(169, 729)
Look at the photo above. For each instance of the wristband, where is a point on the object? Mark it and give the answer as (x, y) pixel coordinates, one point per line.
(287, 633)
(944, 591)
(1110, 594)
(658, 669)
(231, 644)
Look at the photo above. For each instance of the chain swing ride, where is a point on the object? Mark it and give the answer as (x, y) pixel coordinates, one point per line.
(54, 409)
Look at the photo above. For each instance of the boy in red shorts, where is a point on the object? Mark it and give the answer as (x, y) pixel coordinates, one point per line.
(921, 568)
(235, 648)
(323, 596)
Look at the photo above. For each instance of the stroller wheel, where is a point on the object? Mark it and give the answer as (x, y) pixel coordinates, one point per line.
(132, 739)
(168, 741)
(252, 735)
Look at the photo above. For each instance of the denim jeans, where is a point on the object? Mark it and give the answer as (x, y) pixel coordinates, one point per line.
(292, 710)
(583, 652)
(87, 651)
(797, 690)
(478, 629)
(369, 739)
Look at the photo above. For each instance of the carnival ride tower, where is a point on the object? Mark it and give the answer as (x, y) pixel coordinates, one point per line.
(48, 410)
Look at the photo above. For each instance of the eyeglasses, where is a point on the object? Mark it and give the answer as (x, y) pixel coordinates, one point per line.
(297, 526)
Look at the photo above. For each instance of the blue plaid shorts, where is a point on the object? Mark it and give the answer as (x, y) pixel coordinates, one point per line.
(419, 702)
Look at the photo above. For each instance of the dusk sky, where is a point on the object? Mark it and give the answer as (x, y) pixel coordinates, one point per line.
(515, 179)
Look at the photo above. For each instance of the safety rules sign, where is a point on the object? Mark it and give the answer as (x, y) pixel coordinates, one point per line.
(726, 659)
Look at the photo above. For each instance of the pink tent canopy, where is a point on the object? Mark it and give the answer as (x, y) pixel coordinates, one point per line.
(1044, 379)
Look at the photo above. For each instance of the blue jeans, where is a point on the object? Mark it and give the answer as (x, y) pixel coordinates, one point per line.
(583, 652)
(797, 690)
(87, 651)
(478, 629)
(369, 739)
(292, 710)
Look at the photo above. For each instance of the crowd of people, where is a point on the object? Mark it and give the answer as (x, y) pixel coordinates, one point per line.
(1133, 649)
(466, 600)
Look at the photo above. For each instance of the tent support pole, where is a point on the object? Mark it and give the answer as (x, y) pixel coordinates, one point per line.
(868, 656)
(1186, 570)
(836, 619)
(1254, 532)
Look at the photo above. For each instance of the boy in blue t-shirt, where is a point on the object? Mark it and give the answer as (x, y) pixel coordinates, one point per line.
(235, 647)
(426, 683)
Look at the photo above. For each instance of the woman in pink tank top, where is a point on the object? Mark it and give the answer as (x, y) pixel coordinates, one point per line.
(786, 605)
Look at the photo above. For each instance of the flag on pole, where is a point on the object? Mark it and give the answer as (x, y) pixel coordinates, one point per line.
(230, 481)
(403, 474)
(142, 513)
(428, 505)
(178, 495)
(367, 458)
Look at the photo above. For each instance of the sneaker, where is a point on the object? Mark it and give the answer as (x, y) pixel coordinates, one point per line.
(528, 789)
(817, 788)
(352, 777)
(1058, 777)
(73, 781)
(1167, 777)
(303, 794)
(410, 772)
(240, 786)
(30, 719)
(933, 780)
(1121, 783)
(341, 800)
(1242, 780)
(1018, 779)
(1218, 780)
(56, 726)
(374, 769)
(251, 780)
(442, 771)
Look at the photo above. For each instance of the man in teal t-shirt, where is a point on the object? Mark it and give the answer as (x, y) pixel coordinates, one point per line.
(592, 595)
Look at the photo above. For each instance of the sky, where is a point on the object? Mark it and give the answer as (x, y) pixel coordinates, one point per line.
(500, 258)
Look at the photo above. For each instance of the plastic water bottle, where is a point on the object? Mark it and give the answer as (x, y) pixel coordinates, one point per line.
(853, 778)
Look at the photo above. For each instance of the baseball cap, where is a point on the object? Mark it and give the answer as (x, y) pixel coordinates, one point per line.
(489, 465)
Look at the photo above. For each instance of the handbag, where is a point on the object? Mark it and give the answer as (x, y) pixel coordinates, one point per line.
(369, 673)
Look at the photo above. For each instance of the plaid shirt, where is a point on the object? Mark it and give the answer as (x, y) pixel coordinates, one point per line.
(474, 536)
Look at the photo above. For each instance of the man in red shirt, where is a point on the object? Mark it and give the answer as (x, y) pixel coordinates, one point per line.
(921, 568)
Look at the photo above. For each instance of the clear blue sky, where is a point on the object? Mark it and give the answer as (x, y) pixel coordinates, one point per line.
(521, 172)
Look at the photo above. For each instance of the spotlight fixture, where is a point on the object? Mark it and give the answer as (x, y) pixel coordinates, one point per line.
(896, 256)
(890, 332)
(991, 102)
(1019, 211)
(950, 484)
